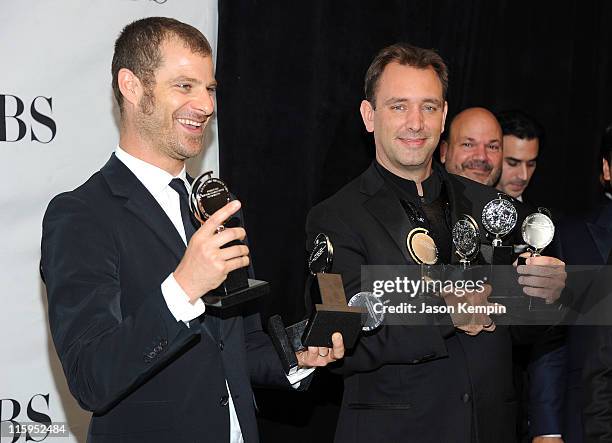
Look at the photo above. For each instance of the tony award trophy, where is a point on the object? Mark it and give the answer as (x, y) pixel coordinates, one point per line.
(208, 195)
(331, 315)
(538, 231)
(466, 239)
(499, 218)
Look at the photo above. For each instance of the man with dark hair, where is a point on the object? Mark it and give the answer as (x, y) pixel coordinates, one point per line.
(522, 142)
(473, 148)
(404, 382)
(126, 268)
(587, 240)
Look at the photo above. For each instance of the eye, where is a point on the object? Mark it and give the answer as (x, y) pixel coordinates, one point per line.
(184, 86)
(494, 147)
(531, 164)
(430, 108)
(512, 163)
(398, 107)
(467, 145)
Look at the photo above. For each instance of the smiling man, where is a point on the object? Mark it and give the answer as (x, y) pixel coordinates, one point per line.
(125, 267)
(430, 383)
(474, 146)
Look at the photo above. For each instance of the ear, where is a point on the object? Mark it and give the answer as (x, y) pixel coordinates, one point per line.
(444, 116)
(130, 86)
(606, 170)
(443, 150)
(367, 115)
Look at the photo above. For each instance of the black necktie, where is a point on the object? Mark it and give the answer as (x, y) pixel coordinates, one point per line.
(179, 186)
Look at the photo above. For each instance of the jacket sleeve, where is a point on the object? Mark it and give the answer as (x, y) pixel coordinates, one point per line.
(105, 354)
(597, 376)
(387, 344)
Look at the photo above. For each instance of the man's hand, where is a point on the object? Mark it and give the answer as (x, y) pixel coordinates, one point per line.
(547, 440)
(320, 356)
(542, 277)
(471, 324)
(206, 264)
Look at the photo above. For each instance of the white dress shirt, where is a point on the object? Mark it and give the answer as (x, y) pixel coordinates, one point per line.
(157, 182)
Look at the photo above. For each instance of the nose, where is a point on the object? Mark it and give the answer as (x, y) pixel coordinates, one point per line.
(480, 152)
(523, 171)
(205, 103)
(414, 119)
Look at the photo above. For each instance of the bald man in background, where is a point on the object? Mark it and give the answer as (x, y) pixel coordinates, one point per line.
(473, 148)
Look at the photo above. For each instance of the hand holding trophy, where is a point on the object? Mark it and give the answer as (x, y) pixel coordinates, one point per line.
(208, 195)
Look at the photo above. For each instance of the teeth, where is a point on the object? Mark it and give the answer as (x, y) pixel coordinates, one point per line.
(189, 122)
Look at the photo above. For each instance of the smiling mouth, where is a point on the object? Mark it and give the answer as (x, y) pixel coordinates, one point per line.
(192, 126)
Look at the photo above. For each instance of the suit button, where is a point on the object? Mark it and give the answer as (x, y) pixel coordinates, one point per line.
(164, 342)
(224, 400)
(152, 354)
(221, 345)
(465, 397)
(158, 348)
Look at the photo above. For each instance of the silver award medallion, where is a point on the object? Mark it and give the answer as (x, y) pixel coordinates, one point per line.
(321, 256)
(372, 304)
(466, 238)
(422, 247)
(499, 217)
(208, 195)
(538, 231)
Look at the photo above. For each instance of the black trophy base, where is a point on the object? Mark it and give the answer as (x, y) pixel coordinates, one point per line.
(287, 341)
(222, 299)
(326, 320)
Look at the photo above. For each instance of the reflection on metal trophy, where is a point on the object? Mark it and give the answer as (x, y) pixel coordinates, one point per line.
(331, 315)
(422, 247)
(538, 231)
(499, 218)
(208, 195)
(368, 301)
(466, 239)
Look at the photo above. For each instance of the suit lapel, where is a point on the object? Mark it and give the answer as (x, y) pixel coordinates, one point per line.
(386, 208)
(601, 231)
(124, 184)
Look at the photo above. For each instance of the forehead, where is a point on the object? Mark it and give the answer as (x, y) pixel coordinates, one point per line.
(407, 82)
(520, 148)
(178, 59)
(478, 126)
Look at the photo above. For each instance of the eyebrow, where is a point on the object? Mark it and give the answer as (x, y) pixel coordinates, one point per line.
(471, 139)
(392, 100)
(183, 78)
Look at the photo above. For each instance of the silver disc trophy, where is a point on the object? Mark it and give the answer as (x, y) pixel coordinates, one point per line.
(208, 195)
(331, 315)
(538, 231)
(499, 218)
(466, 239)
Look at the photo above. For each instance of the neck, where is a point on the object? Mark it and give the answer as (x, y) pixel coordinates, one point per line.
(134, 144)
(417, 174)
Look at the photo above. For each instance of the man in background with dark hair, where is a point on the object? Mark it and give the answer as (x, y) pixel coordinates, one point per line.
(587, 240)
(125, 267)
(522, 142)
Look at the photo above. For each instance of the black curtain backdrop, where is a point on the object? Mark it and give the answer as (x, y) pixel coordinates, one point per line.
(290, 84)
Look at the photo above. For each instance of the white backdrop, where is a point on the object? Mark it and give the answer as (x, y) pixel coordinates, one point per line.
(57, 126)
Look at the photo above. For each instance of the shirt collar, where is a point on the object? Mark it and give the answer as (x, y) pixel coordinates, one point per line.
(153, 178)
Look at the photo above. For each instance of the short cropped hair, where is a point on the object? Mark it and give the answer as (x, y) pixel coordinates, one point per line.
(138, 48)
(407, 55)
(519, 124)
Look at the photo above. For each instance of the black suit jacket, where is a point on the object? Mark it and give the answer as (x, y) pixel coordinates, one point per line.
(413, 383)
(587, 241)
(106, 248)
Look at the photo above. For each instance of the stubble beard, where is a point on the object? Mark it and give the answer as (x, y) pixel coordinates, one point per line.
(164, 139)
